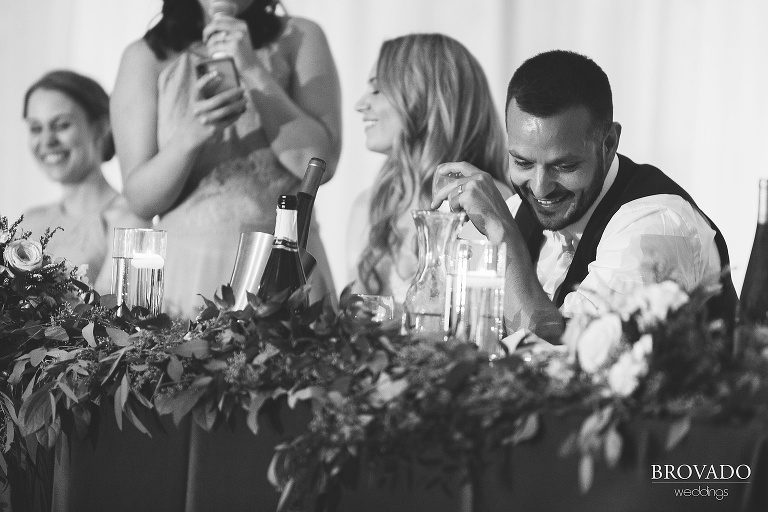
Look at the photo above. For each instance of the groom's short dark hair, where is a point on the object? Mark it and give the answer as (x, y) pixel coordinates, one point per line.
(554, 81)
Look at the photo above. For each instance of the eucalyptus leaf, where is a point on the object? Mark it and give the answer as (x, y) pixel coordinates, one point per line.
(196, 347)
(47, 436)
(205, 415)
(18, 369)
(677, 432)
(613, 445)
(57, 333)
(184, 402)
(134, 419)
(37, 356)
(118, 337)
(526, 428)
(254, 406)
(36, 410)
(88, 334)
(108, 301)
(586, 473)
(175, 369)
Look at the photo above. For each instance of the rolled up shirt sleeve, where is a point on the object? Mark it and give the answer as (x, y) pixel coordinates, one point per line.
(648, 240)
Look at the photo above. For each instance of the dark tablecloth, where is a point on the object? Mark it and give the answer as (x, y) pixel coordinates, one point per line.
(187, 469)
(533, 477)
(190, 470)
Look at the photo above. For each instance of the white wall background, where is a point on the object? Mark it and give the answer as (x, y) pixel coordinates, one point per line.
(688, 77)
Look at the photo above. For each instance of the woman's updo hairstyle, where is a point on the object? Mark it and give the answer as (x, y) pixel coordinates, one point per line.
(84, 91)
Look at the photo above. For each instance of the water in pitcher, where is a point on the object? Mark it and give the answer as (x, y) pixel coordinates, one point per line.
(138, 281)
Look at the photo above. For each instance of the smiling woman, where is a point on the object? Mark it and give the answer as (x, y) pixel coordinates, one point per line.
(67, 115)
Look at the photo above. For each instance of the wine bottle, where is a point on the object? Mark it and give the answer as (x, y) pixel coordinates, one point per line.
(283, 270)
(306, 198)
(753, 305)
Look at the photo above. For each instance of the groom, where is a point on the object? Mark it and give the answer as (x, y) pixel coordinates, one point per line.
(586, 221)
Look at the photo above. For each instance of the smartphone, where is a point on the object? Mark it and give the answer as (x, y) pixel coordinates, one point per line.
(225, 67)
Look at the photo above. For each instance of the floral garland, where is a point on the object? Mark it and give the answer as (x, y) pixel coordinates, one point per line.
(377, 396)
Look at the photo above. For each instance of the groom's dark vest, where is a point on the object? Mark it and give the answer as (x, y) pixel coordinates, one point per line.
(632, 182)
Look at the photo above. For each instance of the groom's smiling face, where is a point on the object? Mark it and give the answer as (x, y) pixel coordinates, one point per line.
(557, 163)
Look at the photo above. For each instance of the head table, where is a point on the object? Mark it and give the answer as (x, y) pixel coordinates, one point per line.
(186, 469)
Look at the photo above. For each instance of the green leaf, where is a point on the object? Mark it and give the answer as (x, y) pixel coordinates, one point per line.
(526, 428)
(378, 362)
(142, 399)
(215, 365)
(88, 334)
(118, 356)
(613, 445)
(121, 397)
(131, 415)
(208, 313)
(228, 295)
(458, 375)
(285, 495)
(18, 370)
(196, 347)
(677, 432)
(387, 390)
(268, 352)
(62, 385)
(48, 435)
(257, 400)
(118, 337)
(108, 301)
(205, 415)
(36, 410)
(37, 356)
(201, 382)
(304, 394)
(586, 473)
(175, 369)
(184, 402)
(57, 333)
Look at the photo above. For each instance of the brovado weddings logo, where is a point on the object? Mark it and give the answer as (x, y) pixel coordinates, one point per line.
(714, 476)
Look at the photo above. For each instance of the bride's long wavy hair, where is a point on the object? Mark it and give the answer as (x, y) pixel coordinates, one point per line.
(442, 97)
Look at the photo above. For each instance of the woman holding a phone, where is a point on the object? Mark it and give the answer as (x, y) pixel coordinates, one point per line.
(207, 146)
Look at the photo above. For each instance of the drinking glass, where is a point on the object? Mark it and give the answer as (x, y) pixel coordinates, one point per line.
(474, 299)
(380, 307)
(138, 258)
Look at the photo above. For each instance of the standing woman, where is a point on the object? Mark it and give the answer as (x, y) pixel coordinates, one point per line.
(67, 115)
(427, 102)
(211, 168)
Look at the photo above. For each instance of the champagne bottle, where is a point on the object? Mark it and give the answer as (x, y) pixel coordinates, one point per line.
(306, 198)
(753, 305)
(283, 270)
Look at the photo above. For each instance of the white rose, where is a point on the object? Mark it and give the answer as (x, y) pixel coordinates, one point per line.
(23, 255)
(657, 301)
(625, 374)
(598, 341)
(642, 347)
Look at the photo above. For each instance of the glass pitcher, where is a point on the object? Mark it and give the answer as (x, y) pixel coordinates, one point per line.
(424, 306)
